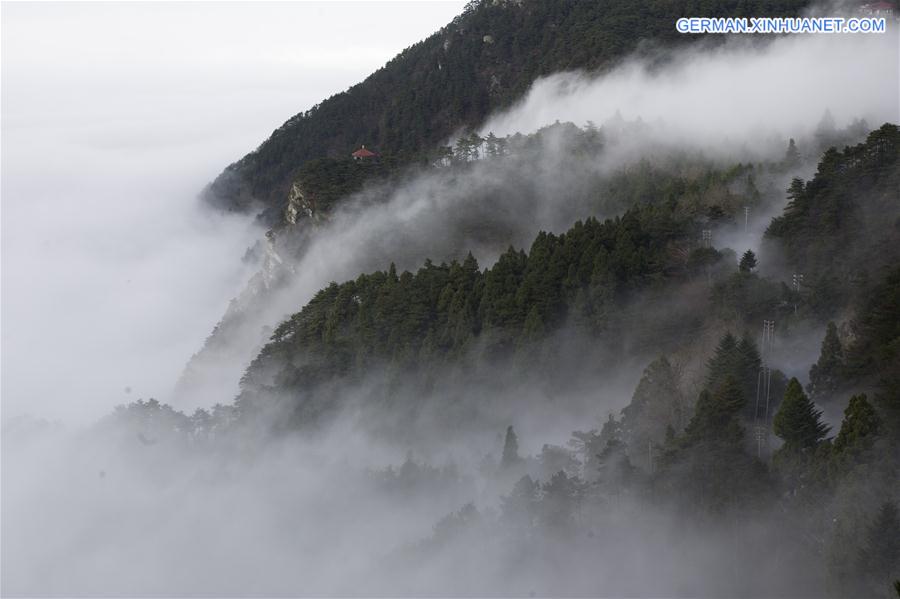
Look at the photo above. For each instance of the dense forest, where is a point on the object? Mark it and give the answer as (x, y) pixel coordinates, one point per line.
(585, 280)
(582, 360)
(483, 61)
(737, 438)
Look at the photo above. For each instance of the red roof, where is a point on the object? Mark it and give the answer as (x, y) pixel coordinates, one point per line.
(363, 153)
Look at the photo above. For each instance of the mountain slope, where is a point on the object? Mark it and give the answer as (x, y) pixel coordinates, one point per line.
(602, 282)
(482, 61)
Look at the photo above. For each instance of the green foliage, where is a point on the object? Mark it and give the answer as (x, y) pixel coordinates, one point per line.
(859, 427)
(715, 418)
(748, 261)
(791, 155)
(588, 446)
(510, 449)
(747, 297)
(324, 181)
(878, 328)
(453, 80)
(408, 321)
(707, 465)
(656, 405)
(825, 374)
(837, 226)
(797, 422)
(740, 361)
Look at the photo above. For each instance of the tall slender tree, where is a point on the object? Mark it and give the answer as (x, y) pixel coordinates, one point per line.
(510, 448)
(798, 422)
(859, 427)
(825, 374)
(748, 261)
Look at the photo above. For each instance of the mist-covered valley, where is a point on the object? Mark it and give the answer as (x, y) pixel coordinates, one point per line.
(631, 334)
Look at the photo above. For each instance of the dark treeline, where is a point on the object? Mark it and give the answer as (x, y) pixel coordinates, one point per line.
(737, 447)
(483, 61)
(586, 279)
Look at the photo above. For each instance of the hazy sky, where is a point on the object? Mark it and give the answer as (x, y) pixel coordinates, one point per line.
(114, 115)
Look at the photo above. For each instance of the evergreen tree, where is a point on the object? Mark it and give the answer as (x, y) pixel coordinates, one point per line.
(708, 465)
(739, 360)
(798, 422)
(722, 363)
(825, 374)
(533, 328)
(655, 406)
(715, 415)
(826, 129)
(748, 261)
(490, 142)
(463, 151)
(796, 194)
(475, 143)
(859, 427)
(588, 445)
(510, 449)
(610, 431)
(791, 156)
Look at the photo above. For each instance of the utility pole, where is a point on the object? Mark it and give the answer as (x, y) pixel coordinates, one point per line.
(796, 282)
(707, 242)
(764, 387)
(746, 219)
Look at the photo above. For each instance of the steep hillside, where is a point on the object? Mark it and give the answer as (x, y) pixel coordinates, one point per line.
(841, 228)
(614, 283)
(484, 60)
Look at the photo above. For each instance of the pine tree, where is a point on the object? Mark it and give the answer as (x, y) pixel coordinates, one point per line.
(491, 148)
(709, 466)
(796, 194)
(475, 142)
(741, 361)
(791, 156)
(798, 422)
(655, 405)
(588, 445)
(510, 448)
(721, 365)
(859, 427)
(610, 431)
(825, 374)
(715, 415)
(748, 261)
(463, 150)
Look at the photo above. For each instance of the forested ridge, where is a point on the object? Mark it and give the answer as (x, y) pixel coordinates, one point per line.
(585, 279)
(735, 442)
(483, 61)
(584, 359)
